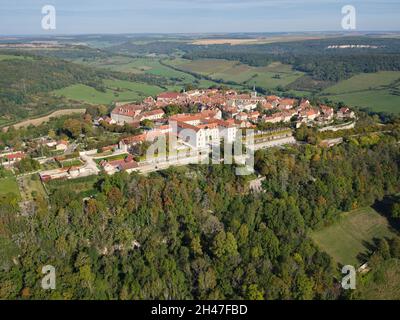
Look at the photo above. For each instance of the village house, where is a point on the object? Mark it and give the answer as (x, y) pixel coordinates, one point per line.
(151, 135)
(253, 116)
(167, 98)
(126, 113)
(327, 113)
(345, 113)
(309, 113)
(107, 120)
(149, 101)
(246, 102)
(127, 164)
(11, 158)
(151, 115)
(230, 112)
(286, 104)
(273, 100)
(304, 104)
(62, 145)
(274, 118)
(242, 116)
(284, 116)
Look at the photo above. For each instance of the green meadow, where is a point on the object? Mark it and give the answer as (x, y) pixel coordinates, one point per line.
(345, 240)
(377, 91)
(9, 185)
(268, 77)
(117, 90)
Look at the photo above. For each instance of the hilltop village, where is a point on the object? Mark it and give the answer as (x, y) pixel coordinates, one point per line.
(213, 116)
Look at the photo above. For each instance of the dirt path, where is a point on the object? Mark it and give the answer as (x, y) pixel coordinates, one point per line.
(39, 121)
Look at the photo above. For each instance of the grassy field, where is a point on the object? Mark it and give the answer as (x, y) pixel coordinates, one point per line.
(365, 81)
(116, 91)
(9, 185)
(378, 91)
(346, 240)
(140, 66)
(268, 77)
(376, 100)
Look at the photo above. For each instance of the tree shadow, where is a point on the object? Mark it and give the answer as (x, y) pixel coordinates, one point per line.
(384, 208)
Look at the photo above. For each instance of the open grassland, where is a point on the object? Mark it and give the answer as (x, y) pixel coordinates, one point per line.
(140, 65)
(345, 240)
(117, 90)
(9, 185)
(376, 100)
(142, 89)
(382, 283)
(365, 81)
(269, 77)
(377, 91)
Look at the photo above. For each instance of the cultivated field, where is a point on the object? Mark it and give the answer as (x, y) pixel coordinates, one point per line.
(379, 101)
(140, 66)
(346, 240)
(269, 77)
(378, 91)
(365, 81)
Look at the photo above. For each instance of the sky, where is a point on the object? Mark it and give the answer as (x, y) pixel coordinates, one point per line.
(23, 17)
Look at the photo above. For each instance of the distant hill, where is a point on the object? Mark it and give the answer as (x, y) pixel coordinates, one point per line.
(28, 80)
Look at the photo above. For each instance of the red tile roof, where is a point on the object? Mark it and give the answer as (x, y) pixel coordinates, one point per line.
(129, 110)
(14, 156)
(169, 95)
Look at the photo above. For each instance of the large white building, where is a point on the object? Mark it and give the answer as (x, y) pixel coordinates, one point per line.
(203, 129)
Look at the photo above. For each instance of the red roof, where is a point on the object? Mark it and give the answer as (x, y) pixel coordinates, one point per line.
(288, 102)
(130, 110)
(127, 163)
(169, 95)
(13, 156)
